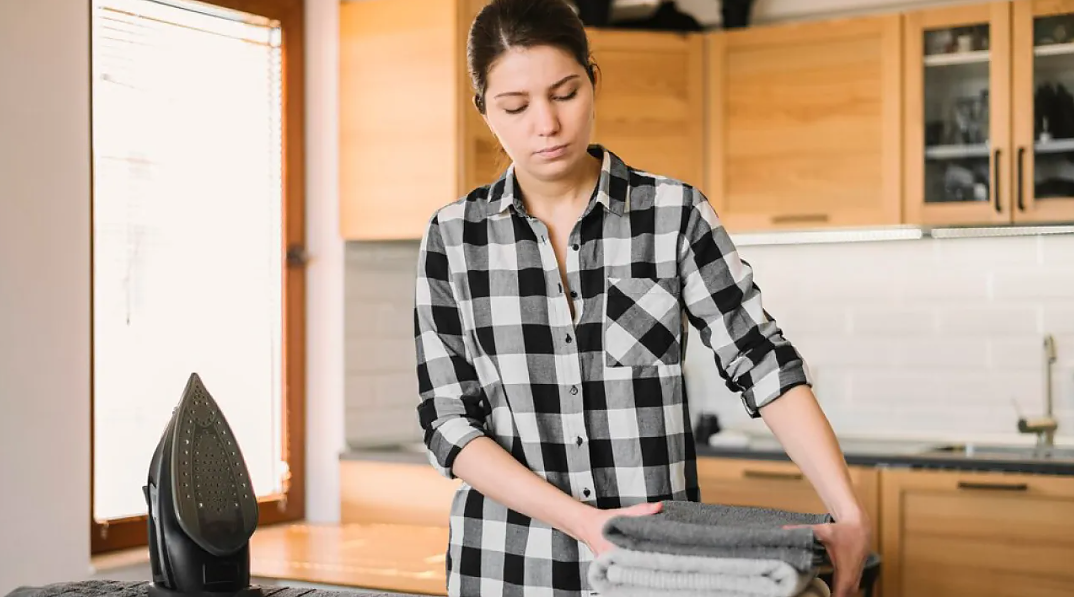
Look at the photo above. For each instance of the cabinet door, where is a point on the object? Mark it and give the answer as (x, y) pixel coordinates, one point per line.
(482, 160)
(957, 534)
(398, 126)
(776, 484)
(958, 118)
(1043, 89)
(649, 107)
(804, 124)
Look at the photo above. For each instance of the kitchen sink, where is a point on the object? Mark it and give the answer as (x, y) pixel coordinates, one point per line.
(1006, 452)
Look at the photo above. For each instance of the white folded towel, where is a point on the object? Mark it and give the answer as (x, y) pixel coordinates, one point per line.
(627, 573)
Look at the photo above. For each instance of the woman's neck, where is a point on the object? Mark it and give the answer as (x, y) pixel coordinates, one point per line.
(542, 196)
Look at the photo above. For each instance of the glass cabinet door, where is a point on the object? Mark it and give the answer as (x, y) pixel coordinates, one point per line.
(1044, 110)
(957, 121)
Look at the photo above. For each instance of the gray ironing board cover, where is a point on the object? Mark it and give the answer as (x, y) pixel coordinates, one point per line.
(115, 588)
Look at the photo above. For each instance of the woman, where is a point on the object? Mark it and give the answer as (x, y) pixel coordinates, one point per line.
(551, 322)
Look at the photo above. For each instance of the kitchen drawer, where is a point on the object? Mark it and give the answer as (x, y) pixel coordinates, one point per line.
(776, 484)
(955, 534)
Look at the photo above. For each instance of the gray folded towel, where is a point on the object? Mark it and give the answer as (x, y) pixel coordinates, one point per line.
(629, 573)
(718, 530)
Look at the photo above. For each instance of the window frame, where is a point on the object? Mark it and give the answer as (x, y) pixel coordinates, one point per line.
(290, 504)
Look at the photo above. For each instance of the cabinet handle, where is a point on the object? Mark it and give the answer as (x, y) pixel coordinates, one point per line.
(750, 474)
(789, 218)
(995, 181)
(1021, 198)
(997, 486)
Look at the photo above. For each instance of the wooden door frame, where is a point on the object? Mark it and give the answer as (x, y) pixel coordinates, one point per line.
(290, 504)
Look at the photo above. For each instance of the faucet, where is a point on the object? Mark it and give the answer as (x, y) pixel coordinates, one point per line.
(1044, 426)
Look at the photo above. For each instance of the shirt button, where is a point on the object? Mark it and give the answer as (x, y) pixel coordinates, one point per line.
(574, 246)
(574, 390)
(586, 492)
(568, 339)
(574, 294)
(578, 440)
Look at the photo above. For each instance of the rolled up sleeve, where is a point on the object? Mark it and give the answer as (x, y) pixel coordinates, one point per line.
(453, 406)
(725, 305)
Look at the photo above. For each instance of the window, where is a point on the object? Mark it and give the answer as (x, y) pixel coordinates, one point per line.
(197, 234)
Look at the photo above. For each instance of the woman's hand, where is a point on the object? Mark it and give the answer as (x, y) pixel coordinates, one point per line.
(590, 530)
(847, 543)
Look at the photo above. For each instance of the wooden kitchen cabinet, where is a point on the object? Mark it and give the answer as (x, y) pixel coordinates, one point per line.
(957, 161)
(966, 534)
(403, 101)
(411, 140)
(650, 100)
(982, 146)
(1043, 56)
(804, 124)
(778, 484)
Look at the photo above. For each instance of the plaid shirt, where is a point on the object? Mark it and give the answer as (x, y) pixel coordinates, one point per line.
(594, 404)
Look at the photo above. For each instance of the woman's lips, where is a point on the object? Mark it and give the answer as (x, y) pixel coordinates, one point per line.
(553, 152)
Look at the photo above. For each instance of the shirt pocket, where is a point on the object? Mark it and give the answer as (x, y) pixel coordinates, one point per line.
(642, 322)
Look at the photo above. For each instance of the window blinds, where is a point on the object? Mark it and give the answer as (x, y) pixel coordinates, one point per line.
(188, 240)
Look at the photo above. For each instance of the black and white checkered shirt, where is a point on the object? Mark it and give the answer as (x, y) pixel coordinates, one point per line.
(595, 404)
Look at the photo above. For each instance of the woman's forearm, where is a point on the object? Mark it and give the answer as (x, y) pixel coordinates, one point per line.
(801, 427)
(489, 469)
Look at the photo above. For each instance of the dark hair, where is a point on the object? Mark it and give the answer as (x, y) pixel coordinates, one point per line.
(505, 24)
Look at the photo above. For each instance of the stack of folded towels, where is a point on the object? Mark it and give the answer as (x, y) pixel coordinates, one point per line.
(692, 549)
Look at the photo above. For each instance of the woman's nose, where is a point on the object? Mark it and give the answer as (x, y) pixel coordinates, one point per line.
(547, 120)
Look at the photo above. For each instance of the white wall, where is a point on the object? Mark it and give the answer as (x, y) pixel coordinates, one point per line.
(44, 290)
(45, 286)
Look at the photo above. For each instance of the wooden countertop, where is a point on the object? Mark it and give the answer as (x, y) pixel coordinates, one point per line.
(385, 557)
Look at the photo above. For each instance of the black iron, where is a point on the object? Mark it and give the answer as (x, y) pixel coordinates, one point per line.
(202, 506)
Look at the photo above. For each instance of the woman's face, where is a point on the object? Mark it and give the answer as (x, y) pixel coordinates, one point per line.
(539, 104)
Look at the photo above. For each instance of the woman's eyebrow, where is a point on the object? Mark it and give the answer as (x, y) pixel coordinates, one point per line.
(552, 86)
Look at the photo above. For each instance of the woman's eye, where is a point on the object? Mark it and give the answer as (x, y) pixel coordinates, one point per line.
(569, 96)
(514, 110)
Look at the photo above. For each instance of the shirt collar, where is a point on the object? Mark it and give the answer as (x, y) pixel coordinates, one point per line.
(613, 186)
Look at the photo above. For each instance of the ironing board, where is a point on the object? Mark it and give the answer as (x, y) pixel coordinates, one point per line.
(115, 588)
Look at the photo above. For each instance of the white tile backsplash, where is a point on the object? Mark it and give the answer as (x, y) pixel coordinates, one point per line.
(915, 338)
(988, 321)
(380, 389)
(1034, 284)
(873, 320)
(965, 254)
(933, 337)
(1058, 317)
